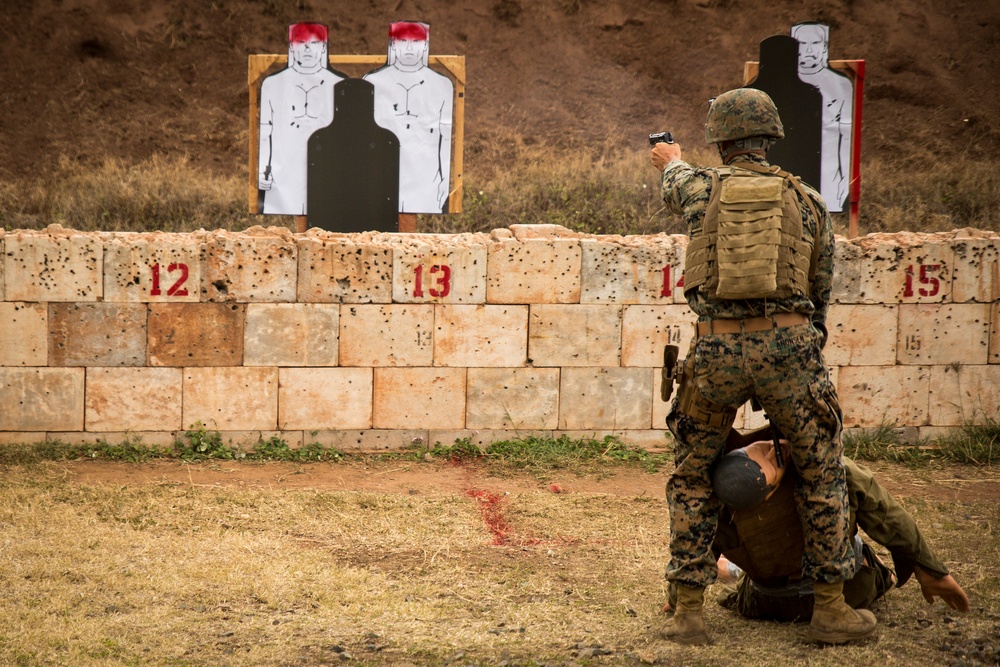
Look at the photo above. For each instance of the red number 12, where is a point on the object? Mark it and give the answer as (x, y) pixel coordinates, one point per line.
(177, 289)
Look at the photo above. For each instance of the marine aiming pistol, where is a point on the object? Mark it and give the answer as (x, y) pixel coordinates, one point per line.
(661, 138)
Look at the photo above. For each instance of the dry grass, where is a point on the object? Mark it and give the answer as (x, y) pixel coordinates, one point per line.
(162, 573)
(609, 188)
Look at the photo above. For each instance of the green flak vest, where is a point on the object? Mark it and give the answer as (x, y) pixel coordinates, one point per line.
(751, 244)
(771, 538)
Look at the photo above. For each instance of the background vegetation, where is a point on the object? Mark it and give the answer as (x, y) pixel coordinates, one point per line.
(601, 191)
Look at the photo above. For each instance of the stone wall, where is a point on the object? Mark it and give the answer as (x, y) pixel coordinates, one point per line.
(376, 341)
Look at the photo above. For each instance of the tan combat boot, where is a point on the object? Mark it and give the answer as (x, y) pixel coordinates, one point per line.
(688, 624)
(833, 621)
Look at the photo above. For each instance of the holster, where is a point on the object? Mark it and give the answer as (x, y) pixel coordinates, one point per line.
(669, 372)
(691, 403)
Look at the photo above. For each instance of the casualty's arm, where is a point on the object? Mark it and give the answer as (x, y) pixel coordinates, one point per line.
(886, 521)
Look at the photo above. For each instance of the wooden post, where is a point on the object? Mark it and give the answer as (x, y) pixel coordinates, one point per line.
(301, 223)
(407, 223)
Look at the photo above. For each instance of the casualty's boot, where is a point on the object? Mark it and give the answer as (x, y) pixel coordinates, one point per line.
(833, 621)
(688, 623)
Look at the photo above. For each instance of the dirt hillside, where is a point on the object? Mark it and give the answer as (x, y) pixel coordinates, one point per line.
(87, 80)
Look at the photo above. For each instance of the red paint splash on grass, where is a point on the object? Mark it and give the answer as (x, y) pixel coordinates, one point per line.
(491, 507)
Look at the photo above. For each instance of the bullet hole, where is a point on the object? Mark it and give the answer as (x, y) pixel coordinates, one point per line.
(93, 47)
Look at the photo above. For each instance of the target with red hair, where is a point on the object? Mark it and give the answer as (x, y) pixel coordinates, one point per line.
(409, 30)
(307, 32)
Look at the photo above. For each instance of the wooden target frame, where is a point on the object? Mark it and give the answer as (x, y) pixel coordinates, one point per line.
(260, 66)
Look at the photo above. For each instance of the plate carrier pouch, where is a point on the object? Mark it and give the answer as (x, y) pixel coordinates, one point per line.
(751, 244)
(771, 538)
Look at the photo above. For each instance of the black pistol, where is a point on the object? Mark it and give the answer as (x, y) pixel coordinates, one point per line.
(661, 138)
(779, 456)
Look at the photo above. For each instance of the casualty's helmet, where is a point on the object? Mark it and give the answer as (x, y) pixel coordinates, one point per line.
(742, 113)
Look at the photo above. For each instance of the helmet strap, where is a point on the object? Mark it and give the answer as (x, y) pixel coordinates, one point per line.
(730, 149)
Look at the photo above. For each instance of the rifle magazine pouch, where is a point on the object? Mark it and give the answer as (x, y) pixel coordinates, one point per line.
(749, 236)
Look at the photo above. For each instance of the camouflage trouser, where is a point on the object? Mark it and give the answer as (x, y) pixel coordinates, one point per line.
(784, 369)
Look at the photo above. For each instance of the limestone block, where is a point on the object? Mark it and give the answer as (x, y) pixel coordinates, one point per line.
(630, 271)
(963, 394)
(196, 334)
(605, 398)
(250, 266)
(390, 335)
(483, 336)
(325, 398)
(994, 357)
(24, 334)
(41, 399)
(231, 398)
(534, 271)
(574, 335)
(338, 270)
(3, 256)
(977, 270)
(943, 334)
(512, 398)
(647, 329)
(57, 266)
(97, 334)
(872, 395)
(656, 440)
(291, 334)
(370, 440)
(22, 437)
(890, 268)
(161, 439)
(133, 399)
(152, 267)
(861, 335)
(440, 273)
(661, 408)
(749, 420)
(419, 398)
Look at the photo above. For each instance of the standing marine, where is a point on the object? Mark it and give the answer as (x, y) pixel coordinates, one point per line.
(758, 272)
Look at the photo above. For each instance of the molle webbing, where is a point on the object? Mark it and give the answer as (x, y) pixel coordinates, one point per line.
(771, 539)
(751, 243)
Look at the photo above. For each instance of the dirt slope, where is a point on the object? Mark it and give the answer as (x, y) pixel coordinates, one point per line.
(90, 79)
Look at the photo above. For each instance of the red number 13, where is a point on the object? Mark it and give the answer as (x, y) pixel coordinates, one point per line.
(443, 281)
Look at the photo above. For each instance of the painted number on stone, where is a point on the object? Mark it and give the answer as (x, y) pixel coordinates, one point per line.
(912, 343)
(673, 335)
(924, 277)
(177, 288)
(442, 282)
(668, 284)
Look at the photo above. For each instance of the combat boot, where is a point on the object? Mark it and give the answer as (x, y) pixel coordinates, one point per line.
(833, 621)
(688, 624)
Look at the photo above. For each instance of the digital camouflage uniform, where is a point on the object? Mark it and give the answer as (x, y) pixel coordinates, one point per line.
(784, 369)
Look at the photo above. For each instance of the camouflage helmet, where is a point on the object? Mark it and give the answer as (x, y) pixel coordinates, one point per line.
(742, 113)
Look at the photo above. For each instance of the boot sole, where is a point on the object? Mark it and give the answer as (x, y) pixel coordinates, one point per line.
(834, 637)
(688, 640)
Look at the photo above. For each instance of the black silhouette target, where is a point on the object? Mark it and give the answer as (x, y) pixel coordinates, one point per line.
(353, 176)
(799, 105)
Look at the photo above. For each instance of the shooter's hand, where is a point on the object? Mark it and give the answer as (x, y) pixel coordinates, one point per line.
(663, 153)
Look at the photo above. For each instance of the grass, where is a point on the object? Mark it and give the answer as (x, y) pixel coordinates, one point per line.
(158, 572)
(976, 442)
(603, 190)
